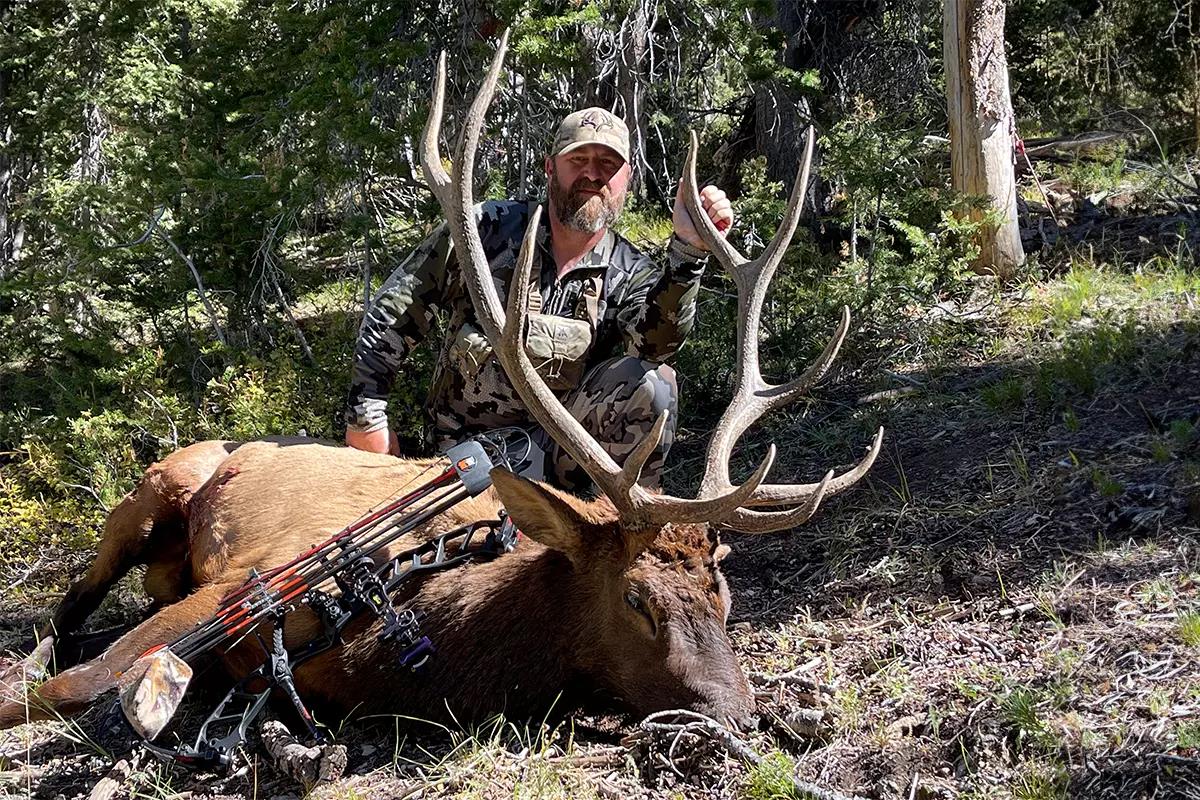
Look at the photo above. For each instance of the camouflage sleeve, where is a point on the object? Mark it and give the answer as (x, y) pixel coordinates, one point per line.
(400, 316)
(659, 309)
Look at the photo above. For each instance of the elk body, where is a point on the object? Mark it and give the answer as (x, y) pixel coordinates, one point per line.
(575, 605)
(622, 594)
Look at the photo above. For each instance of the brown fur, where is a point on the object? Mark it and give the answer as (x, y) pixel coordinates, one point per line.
(511, 634)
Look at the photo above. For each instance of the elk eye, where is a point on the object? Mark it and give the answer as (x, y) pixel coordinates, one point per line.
(634, 600)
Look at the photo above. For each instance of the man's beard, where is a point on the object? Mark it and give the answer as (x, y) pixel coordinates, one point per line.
(587, 213)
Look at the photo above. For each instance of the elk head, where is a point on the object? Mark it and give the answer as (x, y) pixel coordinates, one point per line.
(648, 562)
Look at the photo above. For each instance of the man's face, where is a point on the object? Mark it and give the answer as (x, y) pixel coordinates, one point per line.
(587, 187)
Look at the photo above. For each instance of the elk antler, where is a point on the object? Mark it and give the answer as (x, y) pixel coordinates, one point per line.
(720, 502)
(753, 396)
(638, 508)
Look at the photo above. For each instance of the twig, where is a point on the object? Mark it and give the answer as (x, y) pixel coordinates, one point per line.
(95, 495)
(145, 236)
(792, 677)
(171, 422)
(25, 575)
(212, 311)
(23, 775)
(697, 723)
(887, 394)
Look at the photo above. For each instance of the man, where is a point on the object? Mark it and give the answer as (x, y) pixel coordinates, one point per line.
(604, 318)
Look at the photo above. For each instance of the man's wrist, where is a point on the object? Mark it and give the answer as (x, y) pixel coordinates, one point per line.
(686, 250)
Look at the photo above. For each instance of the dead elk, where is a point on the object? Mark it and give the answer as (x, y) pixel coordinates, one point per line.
(623, 593)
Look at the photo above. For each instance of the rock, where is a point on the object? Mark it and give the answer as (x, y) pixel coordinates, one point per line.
(908, 725)
(804, 723)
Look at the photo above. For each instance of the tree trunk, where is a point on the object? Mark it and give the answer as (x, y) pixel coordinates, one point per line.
(982, 127)
(782, 116)
(634, 47)
(6, 177)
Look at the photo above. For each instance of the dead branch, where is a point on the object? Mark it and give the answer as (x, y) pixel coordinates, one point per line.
(308, 766)
(212, 311)
(683, 721)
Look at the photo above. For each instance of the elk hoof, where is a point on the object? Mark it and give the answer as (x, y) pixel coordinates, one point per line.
(17, 675)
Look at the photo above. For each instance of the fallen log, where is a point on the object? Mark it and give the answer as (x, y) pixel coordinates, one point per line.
(308, 766)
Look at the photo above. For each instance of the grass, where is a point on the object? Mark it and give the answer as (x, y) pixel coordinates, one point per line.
(1093, 320)
(1020, 709)
(771, 779)
(1041, 780)
(519, 762)
(849, 707)
(1005, 396)
(1187, 735)
(1189, 628)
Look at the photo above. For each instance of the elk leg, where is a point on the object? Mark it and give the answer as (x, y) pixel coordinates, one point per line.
(72, 691)
(147, 526)
(127, 529)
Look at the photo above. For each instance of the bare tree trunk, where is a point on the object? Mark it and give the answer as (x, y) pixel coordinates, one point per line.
(982, 126)
(16, 169)
(780, 118)
(1193, 27)
(6, 175)
(634, 55)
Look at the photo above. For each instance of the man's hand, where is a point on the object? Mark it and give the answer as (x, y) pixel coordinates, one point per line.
(380, 441)
(715, 204)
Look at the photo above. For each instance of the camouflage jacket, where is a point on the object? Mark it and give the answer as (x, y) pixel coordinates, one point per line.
(643, 311)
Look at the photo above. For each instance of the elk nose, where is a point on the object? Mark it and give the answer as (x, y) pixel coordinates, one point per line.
(742, 723)
(732, 709)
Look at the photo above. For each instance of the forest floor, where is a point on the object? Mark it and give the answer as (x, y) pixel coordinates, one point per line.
(1008, 606)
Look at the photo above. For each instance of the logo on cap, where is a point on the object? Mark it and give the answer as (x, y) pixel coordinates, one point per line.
(594, 119)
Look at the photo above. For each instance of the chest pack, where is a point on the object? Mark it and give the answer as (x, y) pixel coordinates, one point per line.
(557, 345)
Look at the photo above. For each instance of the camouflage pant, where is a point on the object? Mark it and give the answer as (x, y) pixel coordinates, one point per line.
(617, 401)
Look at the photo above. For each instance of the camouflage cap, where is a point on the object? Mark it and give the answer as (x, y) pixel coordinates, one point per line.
(592, 126)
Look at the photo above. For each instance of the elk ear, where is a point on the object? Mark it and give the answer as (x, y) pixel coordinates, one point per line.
(546, 515)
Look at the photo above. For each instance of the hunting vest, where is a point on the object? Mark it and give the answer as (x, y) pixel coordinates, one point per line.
(559, 341)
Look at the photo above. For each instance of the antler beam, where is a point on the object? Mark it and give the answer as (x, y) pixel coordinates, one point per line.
(720, 502)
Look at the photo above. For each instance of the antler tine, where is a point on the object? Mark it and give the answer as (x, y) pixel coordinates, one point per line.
(431, 156)
(745, 520)
(787, 494)
(771, 257)
(785, 393)
(725, 252)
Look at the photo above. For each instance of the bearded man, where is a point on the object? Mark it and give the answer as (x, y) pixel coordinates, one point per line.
(604, 318)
